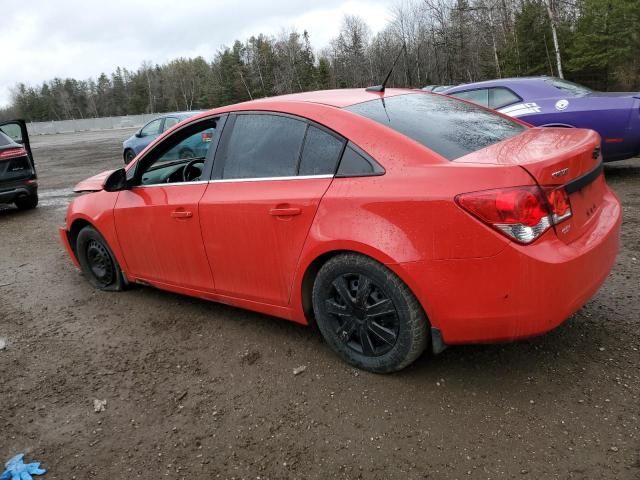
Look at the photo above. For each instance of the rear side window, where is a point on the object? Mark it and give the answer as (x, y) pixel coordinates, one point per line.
(445, 125)
(356, 163)
(321, 153)
(481, 97)
(263, 146)
(501, 97)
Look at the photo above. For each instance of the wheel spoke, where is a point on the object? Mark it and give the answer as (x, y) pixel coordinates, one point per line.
(346, 330)
(365, 341)
(340, 310)
(364, 289)
(385, 334)
(340, 284)
(383, 307)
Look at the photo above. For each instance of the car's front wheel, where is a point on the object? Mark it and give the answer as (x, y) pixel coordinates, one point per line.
(97, 261)
(367, 315)
(128, 156)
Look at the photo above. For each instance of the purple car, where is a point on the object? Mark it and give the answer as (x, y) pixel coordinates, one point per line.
(553, 102)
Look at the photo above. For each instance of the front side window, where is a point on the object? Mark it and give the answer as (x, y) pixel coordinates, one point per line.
(151, 128)
(445, 125)
(263, 145)
(501, 97)
(481, 97)
(181, 156)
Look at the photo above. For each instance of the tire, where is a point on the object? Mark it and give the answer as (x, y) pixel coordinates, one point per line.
(97, 261)
(128, 156)
(27, 203)
(381, 327)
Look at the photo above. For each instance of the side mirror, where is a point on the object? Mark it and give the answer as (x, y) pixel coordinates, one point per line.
(139, 134)
(116, 181)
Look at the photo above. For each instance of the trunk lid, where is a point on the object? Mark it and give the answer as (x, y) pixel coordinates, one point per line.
(560, 157)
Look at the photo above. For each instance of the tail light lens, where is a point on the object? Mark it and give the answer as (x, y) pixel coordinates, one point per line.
(520, 213)
(12, 153)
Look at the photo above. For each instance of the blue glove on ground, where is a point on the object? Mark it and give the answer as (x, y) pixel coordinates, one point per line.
(16, 469)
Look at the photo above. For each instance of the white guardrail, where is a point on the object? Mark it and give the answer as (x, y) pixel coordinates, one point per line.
(88, 124)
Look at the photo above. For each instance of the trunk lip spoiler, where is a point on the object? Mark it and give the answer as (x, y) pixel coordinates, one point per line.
(579, 183)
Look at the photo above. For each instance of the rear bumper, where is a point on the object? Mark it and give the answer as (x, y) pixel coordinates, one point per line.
(64, 238)
(521, 292)
(9, 194)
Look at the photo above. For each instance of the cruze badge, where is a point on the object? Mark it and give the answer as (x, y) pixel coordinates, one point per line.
(560, 173)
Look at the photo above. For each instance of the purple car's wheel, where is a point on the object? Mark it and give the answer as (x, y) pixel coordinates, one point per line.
(367, 315)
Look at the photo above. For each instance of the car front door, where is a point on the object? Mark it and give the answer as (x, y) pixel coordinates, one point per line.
(157, 219)
(270, 174)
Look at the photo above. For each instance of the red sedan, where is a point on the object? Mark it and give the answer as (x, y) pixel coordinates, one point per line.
(397, 221)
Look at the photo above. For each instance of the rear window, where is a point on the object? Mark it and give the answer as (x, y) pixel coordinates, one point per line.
(447, 126)
(569, 87)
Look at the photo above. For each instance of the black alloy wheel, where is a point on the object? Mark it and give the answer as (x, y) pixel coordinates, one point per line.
(368, 315)
(364, 317)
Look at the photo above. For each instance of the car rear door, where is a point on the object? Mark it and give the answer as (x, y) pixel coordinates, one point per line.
(270, 173)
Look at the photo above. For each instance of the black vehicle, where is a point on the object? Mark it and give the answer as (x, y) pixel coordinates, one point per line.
(18, 179)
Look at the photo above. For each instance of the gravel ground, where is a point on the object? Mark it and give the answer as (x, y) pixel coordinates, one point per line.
(197, 390)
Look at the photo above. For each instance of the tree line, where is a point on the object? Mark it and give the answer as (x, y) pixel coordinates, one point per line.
(594, 42)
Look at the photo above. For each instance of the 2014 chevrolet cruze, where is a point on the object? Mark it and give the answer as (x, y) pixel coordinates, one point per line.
(396, 220)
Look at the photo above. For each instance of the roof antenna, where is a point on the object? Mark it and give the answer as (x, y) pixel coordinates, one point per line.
(381, 88)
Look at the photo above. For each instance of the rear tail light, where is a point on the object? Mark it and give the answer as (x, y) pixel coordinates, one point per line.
(12, 153)
(207, 136)
(520, 213)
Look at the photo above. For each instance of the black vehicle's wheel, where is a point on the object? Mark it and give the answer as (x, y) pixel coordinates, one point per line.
(368, 315)
(27, 203)
(97, 261)
(186, 153)
(128, 156)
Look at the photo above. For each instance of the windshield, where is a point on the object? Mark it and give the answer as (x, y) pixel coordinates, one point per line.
(449, 127)
(573, 88)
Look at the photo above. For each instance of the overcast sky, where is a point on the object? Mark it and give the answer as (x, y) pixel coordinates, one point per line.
(43, 39)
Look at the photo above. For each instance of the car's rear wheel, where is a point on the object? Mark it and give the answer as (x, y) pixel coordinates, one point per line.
(97, 261)
(27, 203)
(367, 315)
(128, 156)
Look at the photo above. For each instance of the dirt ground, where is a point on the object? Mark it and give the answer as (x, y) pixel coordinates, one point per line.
(197, 390)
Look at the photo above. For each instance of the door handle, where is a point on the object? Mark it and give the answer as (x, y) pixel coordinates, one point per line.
(285, 211)
(181, 214)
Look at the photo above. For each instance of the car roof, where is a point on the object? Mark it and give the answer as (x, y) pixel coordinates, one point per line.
(537, 80)
(337, 98)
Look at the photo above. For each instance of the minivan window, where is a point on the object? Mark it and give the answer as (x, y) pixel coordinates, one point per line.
(445, 125)
(263, 145)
